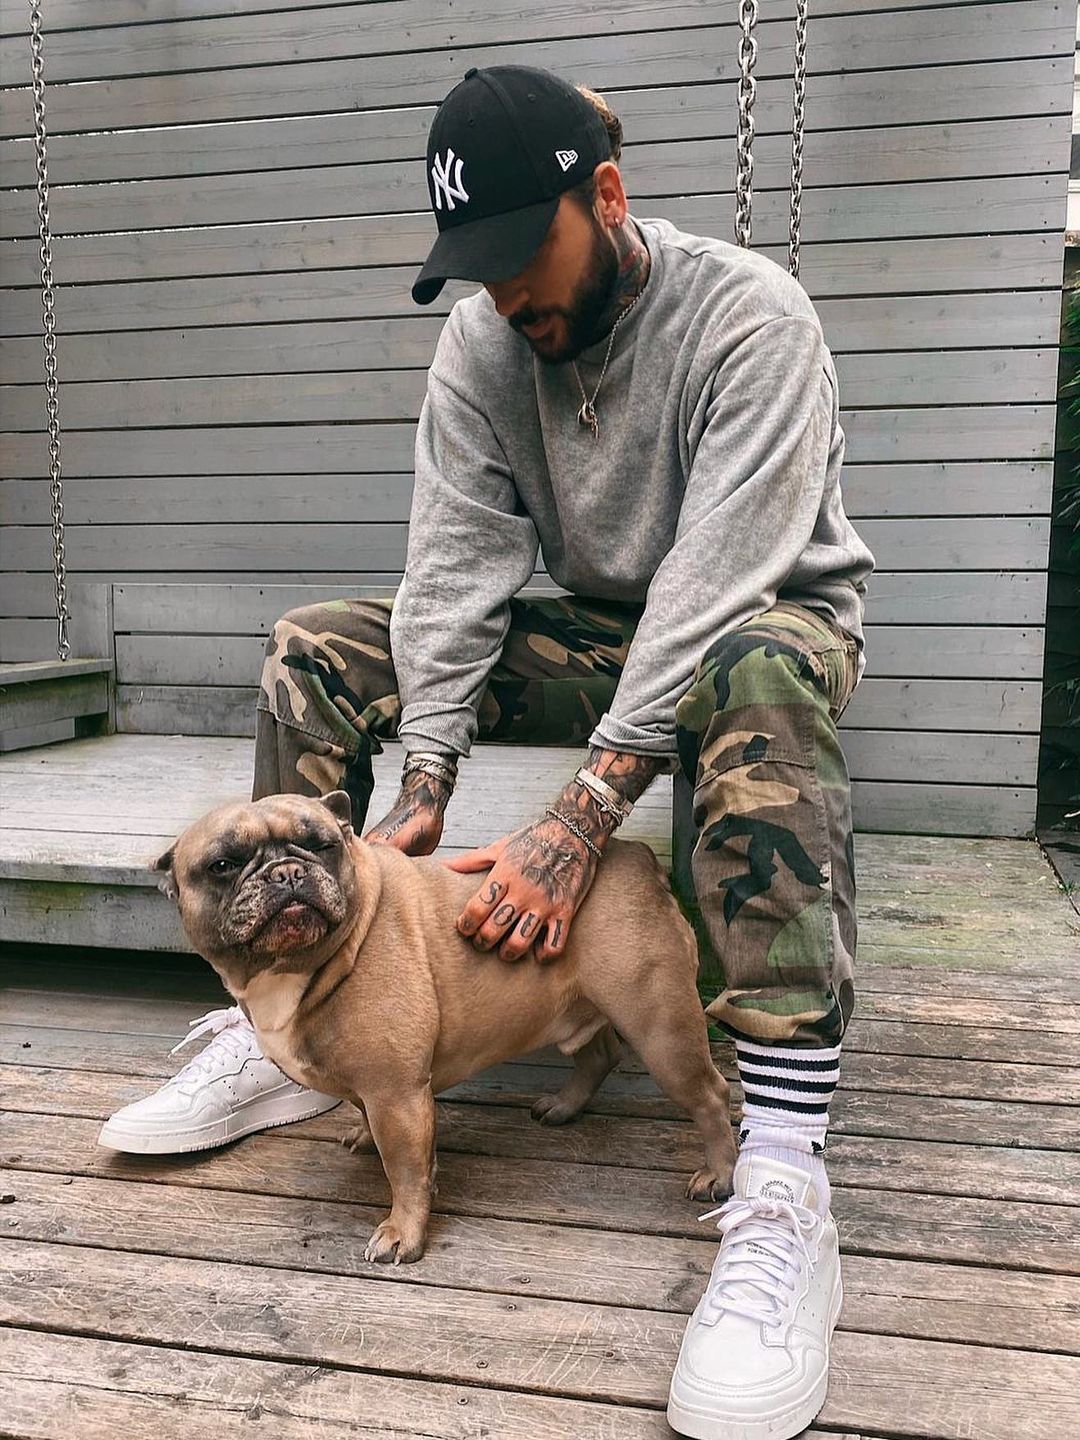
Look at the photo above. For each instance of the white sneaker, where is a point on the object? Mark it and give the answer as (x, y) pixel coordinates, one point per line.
(754, 1362)
(228, 1090)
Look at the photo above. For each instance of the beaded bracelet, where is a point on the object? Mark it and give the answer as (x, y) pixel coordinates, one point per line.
(575, 829)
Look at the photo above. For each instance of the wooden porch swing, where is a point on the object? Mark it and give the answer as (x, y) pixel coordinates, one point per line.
(37, 695)
(76, 693)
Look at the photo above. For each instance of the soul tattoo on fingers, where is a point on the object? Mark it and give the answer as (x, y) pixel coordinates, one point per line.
(551, 937)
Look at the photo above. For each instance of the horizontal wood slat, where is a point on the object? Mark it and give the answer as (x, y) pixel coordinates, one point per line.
(349, 347)
(832, 161)
(974, 706)
(1003, 487)
(953, 597)
(1029, 259)
(878, 436)
(77, 15)
(975, 652)
(1012, 543)
(296, 57)
(397, 395)
(379, 301)
(850, 100)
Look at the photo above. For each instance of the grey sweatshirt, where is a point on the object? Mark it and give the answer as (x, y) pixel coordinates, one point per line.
(713, 490)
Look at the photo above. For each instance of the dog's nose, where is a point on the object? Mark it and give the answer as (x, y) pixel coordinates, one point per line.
(286, 872)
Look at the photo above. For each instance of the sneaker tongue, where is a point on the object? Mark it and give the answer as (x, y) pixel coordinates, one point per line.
(758, 1173)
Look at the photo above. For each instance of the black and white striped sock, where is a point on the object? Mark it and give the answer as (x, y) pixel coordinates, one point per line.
(786, 1092)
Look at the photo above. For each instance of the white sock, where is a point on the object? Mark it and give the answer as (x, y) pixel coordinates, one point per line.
(786, 1095)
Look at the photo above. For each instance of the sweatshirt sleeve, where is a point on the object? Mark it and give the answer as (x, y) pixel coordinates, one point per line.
(752, 497)
(471, 547)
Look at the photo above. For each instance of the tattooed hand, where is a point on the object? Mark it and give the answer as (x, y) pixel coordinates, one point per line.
(540, 875)
(415, 824)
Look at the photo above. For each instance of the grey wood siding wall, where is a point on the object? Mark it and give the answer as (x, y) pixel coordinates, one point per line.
(241, 207)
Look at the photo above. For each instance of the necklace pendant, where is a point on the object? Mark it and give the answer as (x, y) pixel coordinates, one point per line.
(587, 416)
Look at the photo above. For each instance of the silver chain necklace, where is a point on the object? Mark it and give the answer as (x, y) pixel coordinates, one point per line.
(587, 413)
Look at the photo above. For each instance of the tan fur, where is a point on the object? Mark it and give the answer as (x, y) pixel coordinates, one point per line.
(388, 1005)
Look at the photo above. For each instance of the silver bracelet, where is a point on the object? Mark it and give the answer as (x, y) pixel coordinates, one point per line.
(435, 765)
(606, 797)
(575, 829)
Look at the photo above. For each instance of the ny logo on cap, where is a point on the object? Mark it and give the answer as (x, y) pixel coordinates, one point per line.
(443, 185)
(566, 158)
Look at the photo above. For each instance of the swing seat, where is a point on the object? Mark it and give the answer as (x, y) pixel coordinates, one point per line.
(38, 695)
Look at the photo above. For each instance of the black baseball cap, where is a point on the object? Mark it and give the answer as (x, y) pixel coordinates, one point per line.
(506, 142)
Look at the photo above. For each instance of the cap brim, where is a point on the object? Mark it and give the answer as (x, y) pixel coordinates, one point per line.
(494, 248)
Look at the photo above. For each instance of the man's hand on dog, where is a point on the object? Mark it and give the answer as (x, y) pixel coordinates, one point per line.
(538, 877)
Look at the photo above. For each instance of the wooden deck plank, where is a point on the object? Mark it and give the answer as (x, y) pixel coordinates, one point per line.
(524, 1169)
(1012, 1014)
(151, 1392)
(902, 1042)
(618, 1354)
(868, 1065)
(1022, 1308)
(562, 1261)
(632, 1095)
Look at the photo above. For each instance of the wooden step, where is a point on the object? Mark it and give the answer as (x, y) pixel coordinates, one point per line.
(82, 822)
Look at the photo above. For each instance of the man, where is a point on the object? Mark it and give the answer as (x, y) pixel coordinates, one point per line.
(658, 411)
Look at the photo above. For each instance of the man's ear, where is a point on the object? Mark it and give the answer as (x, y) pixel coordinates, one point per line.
(167, 884)
(340, 806)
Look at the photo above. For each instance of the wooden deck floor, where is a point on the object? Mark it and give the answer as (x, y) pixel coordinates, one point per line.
(225, 1294)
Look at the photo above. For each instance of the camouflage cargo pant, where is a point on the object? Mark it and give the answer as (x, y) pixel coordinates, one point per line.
(771, 864)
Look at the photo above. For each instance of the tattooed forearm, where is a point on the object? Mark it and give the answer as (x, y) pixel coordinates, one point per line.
(629, 775)
(418, 811)
(424, 791)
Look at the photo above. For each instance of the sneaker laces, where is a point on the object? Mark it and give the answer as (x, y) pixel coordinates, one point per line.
(232, 1032)
(752, 1274)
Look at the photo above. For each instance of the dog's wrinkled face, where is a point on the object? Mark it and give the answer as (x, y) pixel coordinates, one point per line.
(260, 881)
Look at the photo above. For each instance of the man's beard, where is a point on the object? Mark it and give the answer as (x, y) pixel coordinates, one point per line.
(586, 316)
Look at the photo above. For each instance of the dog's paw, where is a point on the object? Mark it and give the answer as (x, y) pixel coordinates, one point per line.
(392, 1243)
(554, 1110)
(358, 1138)
(707, 1185)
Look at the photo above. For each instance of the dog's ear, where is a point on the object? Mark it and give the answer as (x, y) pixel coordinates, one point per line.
(167, 884)
(340, 806)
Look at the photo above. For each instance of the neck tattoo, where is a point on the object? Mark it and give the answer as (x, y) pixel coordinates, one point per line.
(634, 265)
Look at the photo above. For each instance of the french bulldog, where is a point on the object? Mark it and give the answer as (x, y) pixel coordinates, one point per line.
(347, 961)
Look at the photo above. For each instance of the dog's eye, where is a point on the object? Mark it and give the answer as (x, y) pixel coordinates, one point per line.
(222, 866)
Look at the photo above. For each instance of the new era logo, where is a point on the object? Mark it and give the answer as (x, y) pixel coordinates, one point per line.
(446, 181)
(566, 158)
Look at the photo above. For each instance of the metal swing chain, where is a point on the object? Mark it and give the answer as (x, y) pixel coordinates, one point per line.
(744, 174)
(797, 122)
(63, 647)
